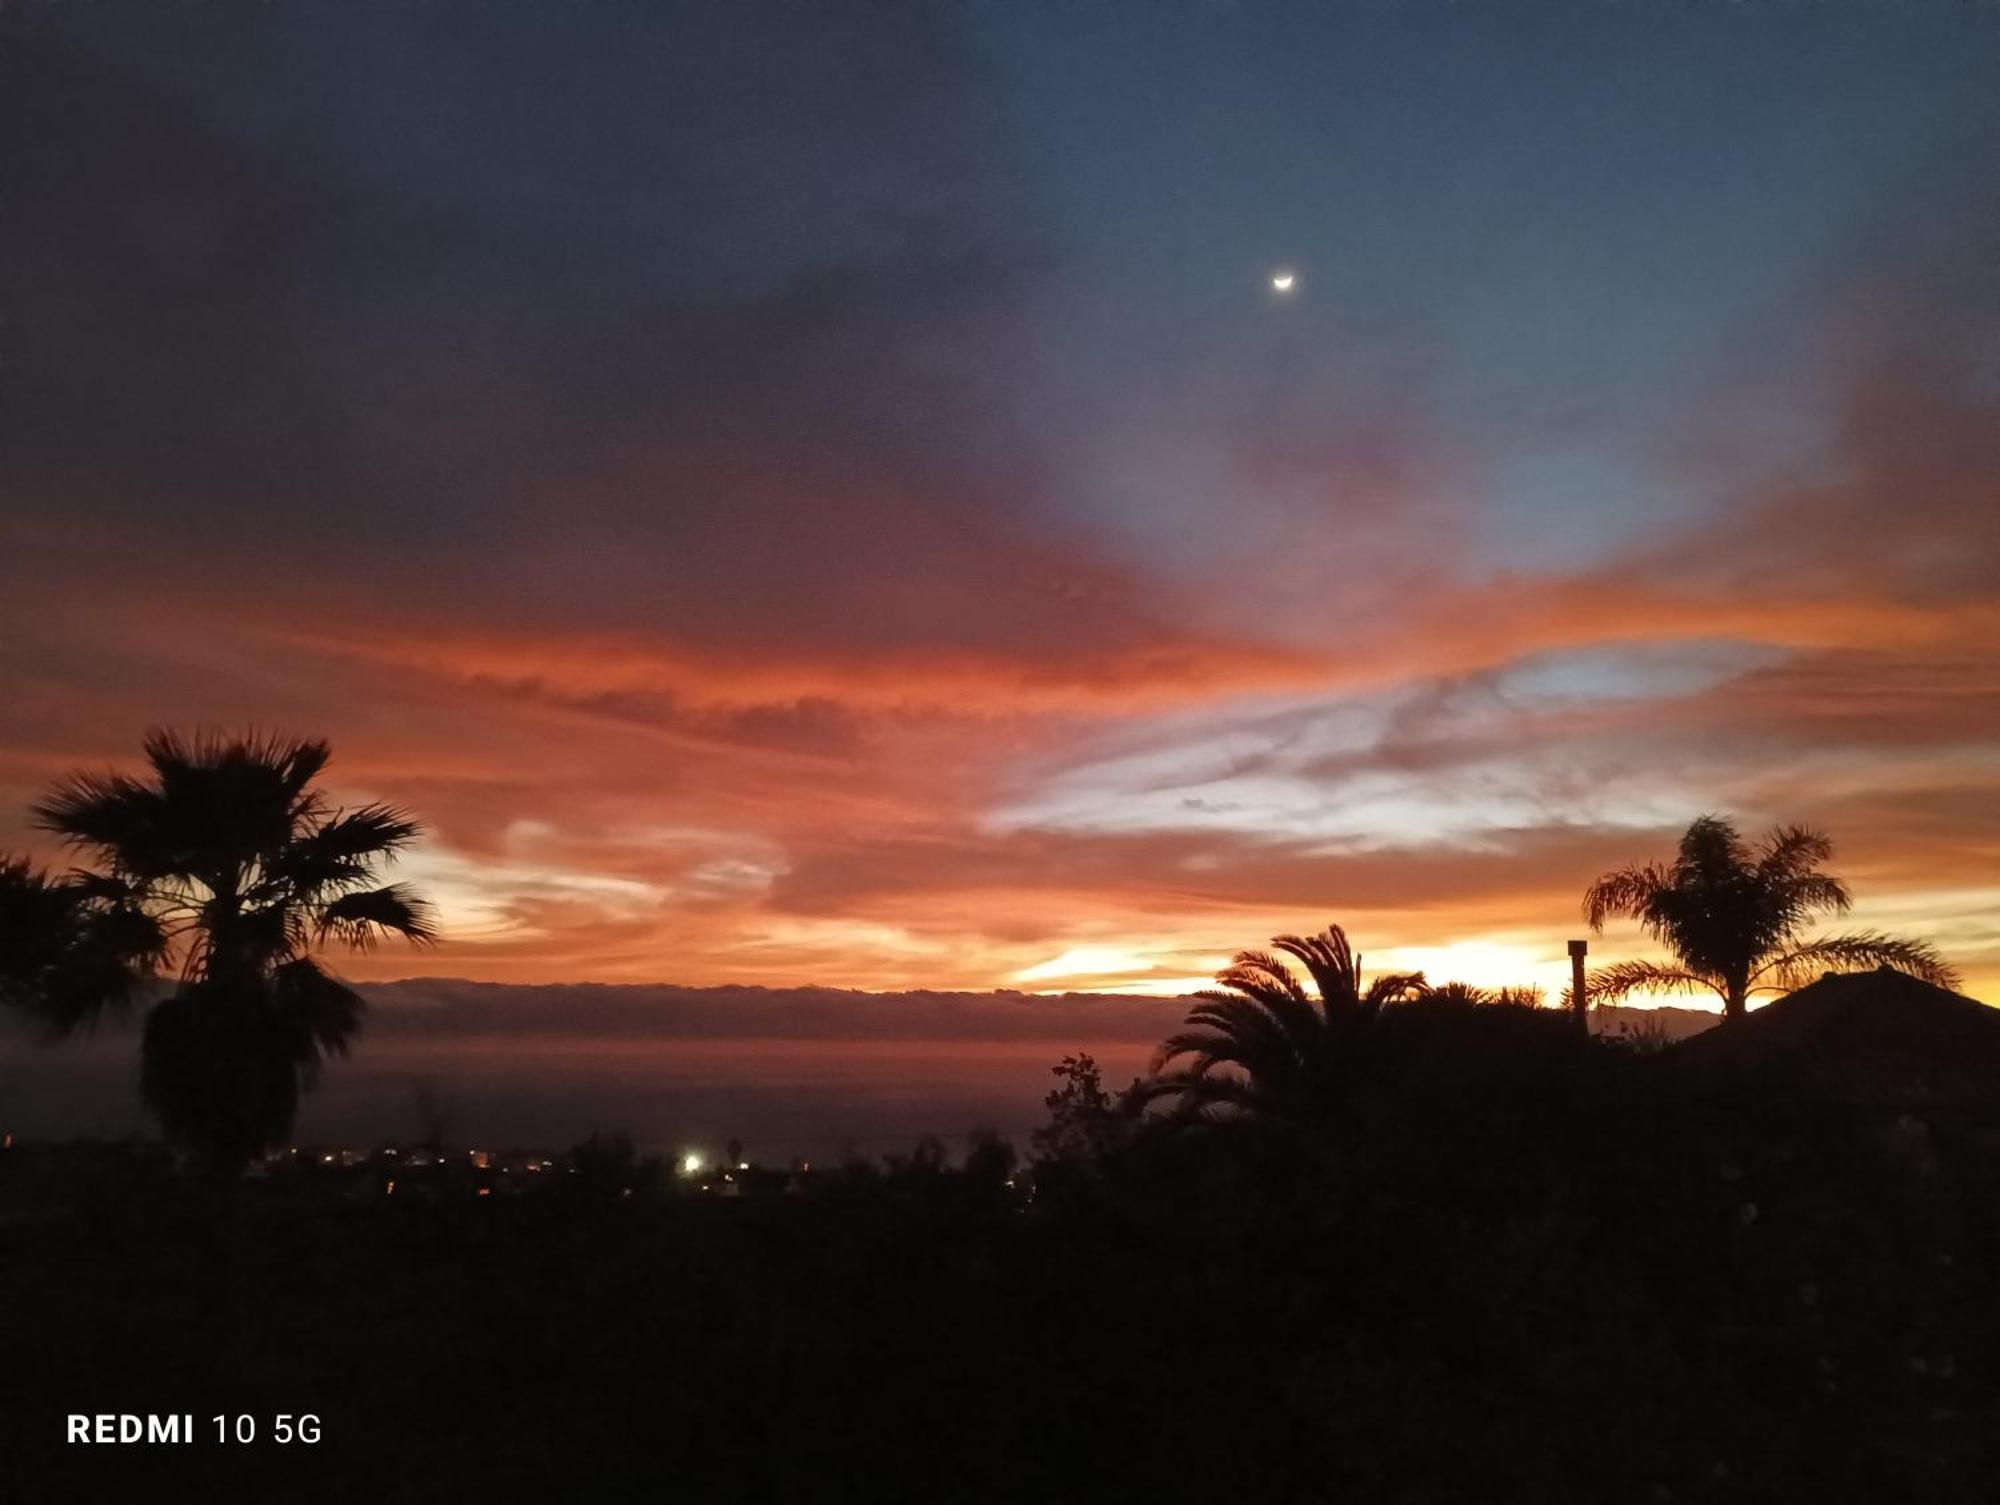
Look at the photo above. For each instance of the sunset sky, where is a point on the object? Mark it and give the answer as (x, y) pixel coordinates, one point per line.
(830, 495)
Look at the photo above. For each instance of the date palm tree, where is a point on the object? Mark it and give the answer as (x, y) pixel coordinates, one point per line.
(1261, 1045)
(1734, 917)
(227, 865)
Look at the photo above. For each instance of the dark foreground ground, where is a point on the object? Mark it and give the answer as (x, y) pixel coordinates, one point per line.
(1495, 1305)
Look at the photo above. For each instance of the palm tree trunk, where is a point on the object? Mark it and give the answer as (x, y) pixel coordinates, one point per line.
(1736, 1002)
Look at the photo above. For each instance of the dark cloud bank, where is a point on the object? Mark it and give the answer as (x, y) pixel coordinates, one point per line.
(795, 1071)
(806, 1071)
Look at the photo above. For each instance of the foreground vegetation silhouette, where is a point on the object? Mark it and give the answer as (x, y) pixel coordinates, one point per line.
(1260, 1044)
(1263, 1047)
(230, 867)
(1561, 1270)
(1348, 1239)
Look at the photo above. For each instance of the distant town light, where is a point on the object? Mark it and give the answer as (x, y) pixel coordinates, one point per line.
(691, 1164)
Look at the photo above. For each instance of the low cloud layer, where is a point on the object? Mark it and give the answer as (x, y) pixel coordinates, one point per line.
(805, 1072)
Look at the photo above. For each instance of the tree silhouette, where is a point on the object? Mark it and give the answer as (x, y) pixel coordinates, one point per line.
(1471, 995)
(228, 863)
(1286, 1057)
(70, 947)
(989, 1161)
(1085, 1121)
(1733, 917)
(436, 1113)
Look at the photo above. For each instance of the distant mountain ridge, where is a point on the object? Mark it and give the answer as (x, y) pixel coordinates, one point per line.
(440, 1008)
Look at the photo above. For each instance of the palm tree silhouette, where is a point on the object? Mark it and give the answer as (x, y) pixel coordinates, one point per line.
(229, 860)
(1293, 1060)
(1472, 995)
(1733, 915)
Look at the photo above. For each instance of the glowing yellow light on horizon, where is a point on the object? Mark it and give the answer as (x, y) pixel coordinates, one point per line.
(1086, 961)
(1486, 964)
(691, 1164)
(1178, 986)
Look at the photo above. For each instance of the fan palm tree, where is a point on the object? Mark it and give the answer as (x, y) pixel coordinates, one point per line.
(228, 865)
(1283, 1056)
(1734, 915)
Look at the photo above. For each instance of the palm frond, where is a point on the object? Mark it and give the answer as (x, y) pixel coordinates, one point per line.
(1627, 894)
(1269, 969)
(1328, 956)
(1792, 851)
(111, 814)
(1466, 994)
(71, 951)
(1234, 1014)
(1263, 977)
(1197, 1092)
(291, 762)
(1471, 995)
(360, 919)
(1197, 1050)
(1797, 897)
(1395, 987)
(324, 1012)
(1242, 1033)
(334, 855)
(1260, 971)
(1622, 979)
(1266, 1055)
(1855, 951)
(371, 831)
